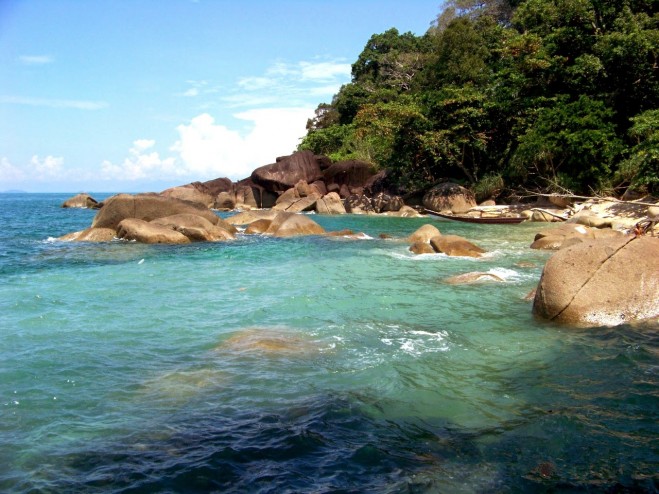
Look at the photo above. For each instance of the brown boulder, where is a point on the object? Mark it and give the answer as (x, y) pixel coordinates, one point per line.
(454, 245)
(197, 228)
(145, 207)
(601, 282)
(288, 171)
(351, 173)
(383, 202)
(84, 201)
(91, 235)
(421, 248)
(225, 201)
(358, 204)
(148, 233)
(247, 217)
(330, 204)
(287, 224)
(404, 212)
(258, 227)
(191, 194)
(424, 234)
(449, 196)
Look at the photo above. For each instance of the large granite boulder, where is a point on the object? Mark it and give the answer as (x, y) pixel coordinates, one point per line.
(146, 207)
(601, 282)
(189, 193)
(358, 204)
(253, 195)
(449, 196)
(287, 224)
(330, 204)
(288, 171)
(148, 233)
(84, 201)
(351, 173)
(248, 217)
(383, 202)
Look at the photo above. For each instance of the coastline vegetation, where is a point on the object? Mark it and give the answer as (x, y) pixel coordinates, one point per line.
(507, 95)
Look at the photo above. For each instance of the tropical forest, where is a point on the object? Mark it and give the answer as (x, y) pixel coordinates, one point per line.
(507, 97)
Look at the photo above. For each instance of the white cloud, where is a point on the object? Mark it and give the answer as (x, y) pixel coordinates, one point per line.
(54, 103)
(10, 174)
(209, 150)
(141, 164)
(290, 84)
(191, 93)
(36, 59)
(47, 168)
(324, 71)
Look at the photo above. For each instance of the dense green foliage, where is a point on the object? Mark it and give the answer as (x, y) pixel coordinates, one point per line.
(543, 94)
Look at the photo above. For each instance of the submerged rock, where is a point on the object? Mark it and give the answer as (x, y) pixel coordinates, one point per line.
(268, 341)
(90, 235)
(474, 277)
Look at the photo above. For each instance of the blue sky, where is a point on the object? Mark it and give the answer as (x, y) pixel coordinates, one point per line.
(141, 95)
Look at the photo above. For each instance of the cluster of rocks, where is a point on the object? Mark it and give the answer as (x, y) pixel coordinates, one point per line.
(600, 273)
(295, 183)
(154, 219)
(428, 240)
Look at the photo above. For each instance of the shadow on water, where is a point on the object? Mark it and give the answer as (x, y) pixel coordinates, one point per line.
(321, 444)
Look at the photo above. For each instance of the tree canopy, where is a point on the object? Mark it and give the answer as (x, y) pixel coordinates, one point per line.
(543, 94)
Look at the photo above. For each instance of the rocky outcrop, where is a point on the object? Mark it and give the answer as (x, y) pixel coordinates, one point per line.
(288, 171)
(248, 217)
(84, 201)
(449, 196)
(146, 207)
(154, 219)
(191, 194)
(601, 282)
(358, 204)
(353, 174)
(383, 203)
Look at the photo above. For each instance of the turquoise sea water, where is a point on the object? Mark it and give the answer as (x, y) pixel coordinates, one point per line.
(306, 365)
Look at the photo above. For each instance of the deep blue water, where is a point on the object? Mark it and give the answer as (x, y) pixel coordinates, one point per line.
(306, 365)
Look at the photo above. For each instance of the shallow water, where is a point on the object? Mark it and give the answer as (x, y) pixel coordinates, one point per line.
(306, 365)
